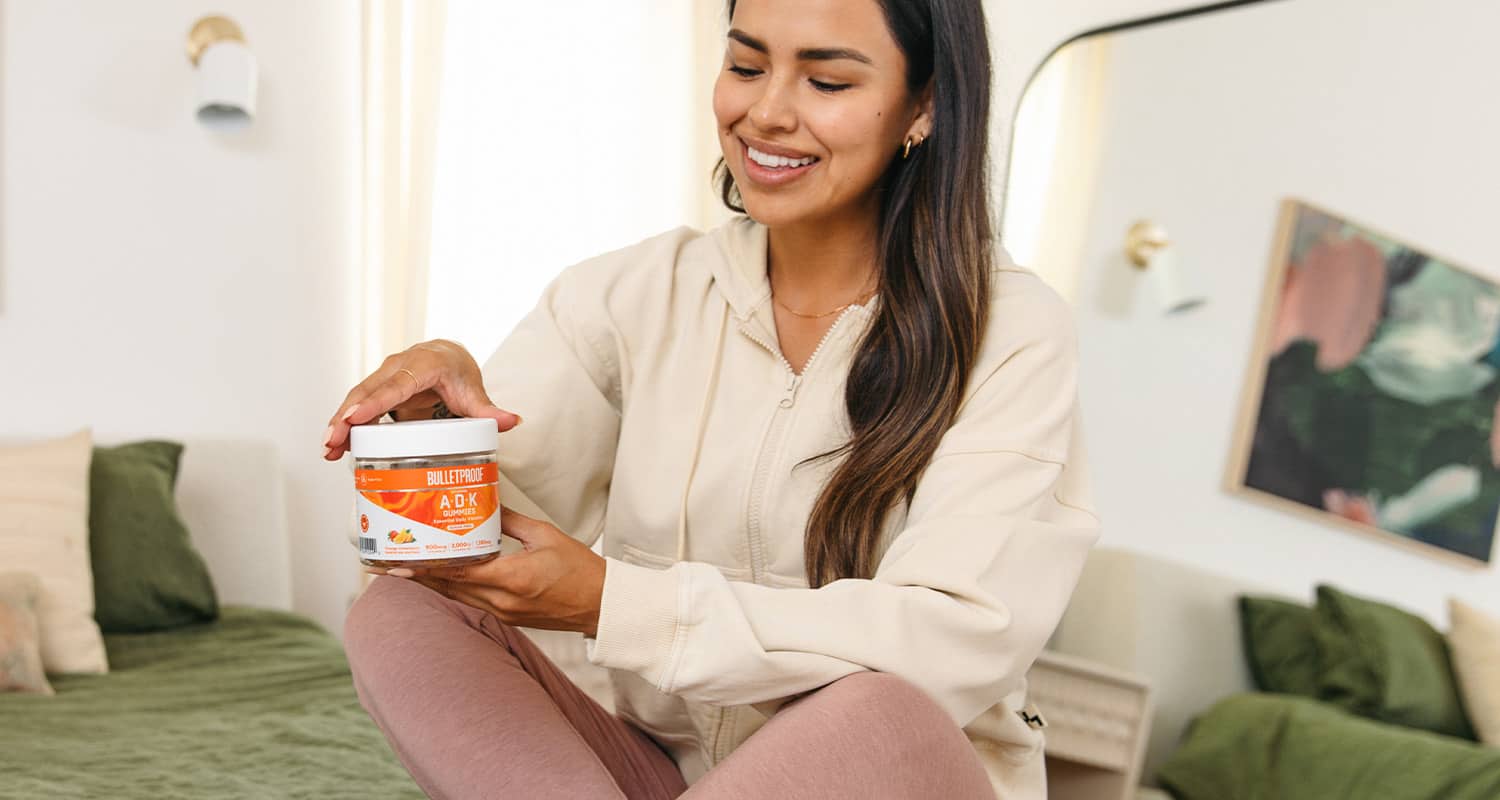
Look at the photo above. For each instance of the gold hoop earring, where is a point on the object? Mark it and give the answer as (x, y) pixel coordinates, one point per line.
(906, 153)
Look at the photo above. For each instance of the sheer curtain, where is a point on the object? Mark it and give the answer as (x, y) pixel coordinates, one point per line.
(566, 130)
(402, 78)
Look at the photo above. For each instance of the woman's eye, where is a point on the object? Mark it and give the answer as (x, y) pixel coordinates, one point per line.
(744, 72)
(830, 88)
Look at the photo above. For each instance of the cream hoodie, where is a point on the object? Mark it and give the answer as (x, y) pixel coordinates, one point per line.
(661, 416)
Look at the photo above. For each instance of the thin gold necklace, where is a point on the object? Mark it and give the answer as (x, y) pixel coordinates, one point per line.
(805, 315)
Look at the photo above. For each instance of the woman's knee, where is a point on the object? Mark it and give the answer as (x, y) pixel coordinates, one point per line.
(893, 711)
(894, 729)
(381, 612)
(882, 694)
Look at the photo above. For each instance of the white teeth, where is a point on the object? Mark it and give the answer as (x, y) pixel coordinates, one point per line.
(777, 162)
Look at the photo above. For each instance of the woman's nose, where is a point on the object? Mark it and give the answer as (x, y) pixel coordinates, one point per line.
(774, 109)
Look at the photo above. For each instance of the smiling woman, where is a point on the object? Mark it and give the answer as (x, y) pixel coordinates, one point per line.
(830, 447)
(808, 103)
(849, 107)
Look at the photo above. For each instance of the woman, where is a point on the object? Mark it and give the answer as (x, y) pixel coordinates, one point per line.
(830, 446)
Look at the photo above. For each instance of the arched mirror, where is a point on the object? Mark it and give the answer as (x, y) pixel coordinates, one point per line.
(1172, 180)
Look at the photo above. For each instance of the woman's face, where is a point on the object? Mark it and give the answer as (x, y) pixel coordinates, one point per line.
(812, 106)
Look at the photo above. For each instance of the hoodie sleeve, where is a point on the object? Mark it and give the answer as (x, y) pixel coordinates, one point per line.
(563, 378)
(961, 602)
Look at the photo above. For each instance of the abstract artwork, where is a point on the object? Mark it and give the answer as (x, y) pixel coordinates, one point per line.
(1373, 394)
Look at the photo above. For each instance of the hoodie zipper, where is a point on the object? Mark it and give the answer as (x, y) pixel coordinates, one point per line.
(793, 379)
(761, 480)
(772, 440)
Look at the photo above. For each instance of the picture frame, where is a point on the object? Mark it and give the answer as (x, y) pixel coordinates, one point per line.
(1372, 398)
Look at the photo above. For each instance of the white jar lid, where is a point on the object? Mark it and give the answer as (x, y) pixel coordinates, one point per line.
(424, 437)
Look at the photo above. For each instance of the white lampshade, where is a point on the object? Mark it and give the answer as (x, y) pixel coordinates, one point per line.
(226, 86)
(1149, 249)
(227, 74)
(1168, 286)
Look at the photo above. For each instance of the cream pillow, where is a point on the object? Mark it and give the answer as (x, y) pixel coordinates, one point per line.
(20, 635)
(1474, 639)
(44, 530)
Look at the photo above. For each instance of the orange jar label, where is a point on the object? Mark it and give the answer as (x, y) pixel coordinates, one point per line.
(396, 480)
(435, 512)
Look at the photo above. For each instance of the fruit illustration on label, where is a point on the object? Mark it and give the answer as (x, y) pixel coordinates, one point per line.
(364, 523)
(401, 537)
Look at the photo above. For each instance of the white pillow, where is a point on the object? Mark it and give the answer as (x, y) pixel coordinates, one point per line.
(44, 530)
(1474, 639)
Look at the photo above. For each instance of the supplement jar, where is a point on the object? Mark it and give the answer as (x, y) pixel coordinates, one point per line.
(427, 492)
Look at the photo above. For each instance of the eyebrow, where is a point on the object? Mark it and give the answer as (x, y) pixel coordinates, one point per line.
(805, 54)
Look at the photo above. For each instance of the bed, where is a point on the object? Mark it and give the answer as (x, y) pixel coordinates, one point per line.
(257, 704)
(1258, 745)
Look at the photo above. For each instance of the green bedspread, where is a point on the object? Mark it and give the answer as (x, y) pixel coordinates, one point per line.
(258, 704)
(1280, 747)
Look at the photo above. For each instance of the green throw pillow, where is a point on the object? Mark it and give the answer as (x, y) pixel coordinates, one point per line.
(1280, 645)
(147, 576)
(1384, 663)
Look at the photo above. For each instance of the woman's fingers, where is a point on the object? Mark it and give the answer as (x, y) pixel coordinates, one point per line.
(427, 372)
(399, 385)
(461, 386)
(466, 397)
(402, 378)
(529, 531)
(436, 584)
(499, 572)
(335, 438)
(394, 572)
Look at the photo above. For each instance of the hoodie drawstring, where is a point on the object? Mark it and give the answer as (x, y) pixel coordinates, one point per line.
(708, 394)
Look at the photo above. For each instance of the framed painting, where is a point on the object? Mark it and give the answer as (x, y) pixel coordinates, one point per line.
(1374, 389)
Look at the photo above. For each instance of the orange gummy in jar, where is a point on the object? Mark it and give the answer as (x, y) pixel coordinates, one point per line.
(427, 492)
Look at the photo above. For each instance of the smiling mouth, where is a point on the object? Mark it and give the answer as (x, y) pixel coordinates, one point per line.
(773, 161)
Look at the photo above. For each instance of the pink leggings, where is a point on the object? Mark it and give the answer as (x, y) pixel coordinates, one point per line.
(474, 709)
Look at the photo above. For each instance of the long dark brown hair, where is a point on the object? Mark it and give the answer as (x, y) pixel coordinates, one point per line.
(935, 254)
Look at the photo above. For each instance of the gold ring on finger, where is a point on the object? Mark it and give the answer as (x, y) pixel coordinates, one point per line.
(412, 375)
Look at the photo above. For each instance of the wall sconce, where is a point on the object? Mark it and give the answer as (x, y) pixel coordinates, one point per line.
(226, 73)
(1149, 249)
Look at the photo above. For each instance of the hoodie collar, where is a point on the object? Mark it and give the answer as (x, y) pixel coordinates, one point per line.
(741, 273)
(742, 280)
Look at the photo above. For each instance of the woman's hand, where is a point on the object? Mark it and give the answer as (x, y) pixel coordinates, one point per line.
(411, 383)
(556, 582)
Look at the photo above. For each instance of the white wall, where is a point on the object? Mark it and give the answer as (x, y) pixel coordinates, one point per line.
(1390, 122)
(607, 137)
(158, 279)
